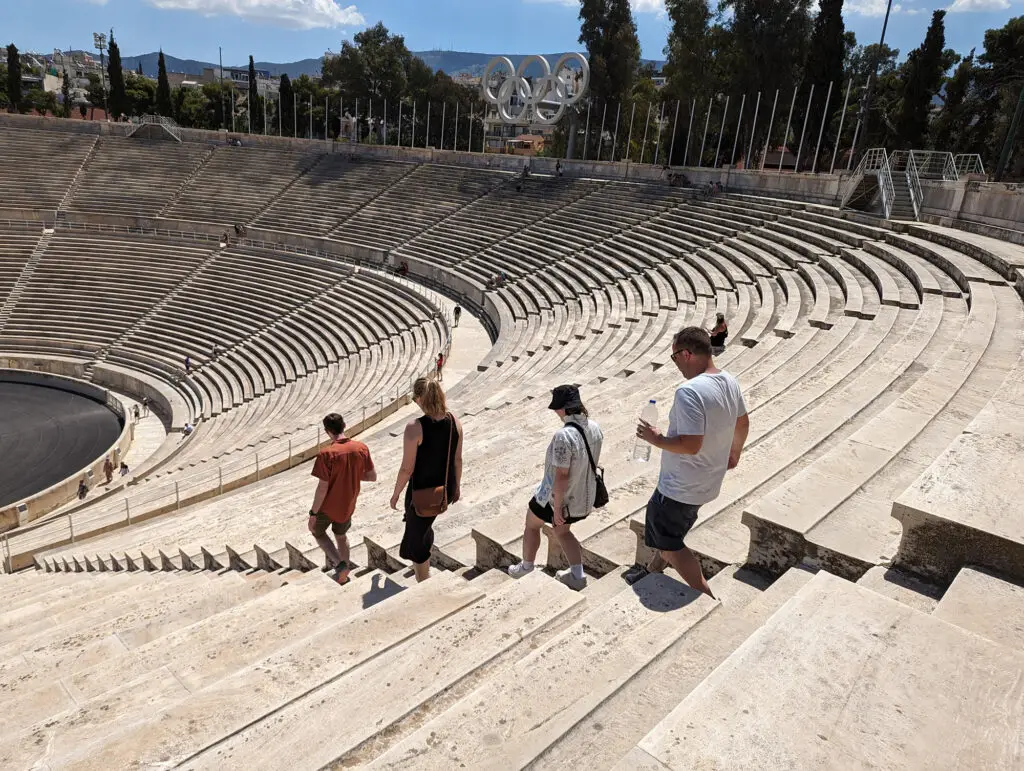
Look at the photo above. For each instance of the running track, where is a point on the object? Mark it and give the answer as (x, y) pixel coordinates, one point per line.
(46, 435)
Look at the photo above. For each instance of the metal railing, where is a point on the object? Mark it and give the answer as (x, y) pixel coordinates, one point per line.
(914, 186)
(930, 164)
(885, 186)
(968, 163)
(278, 453)
(907, 163)
(874, 163)
(159, 120)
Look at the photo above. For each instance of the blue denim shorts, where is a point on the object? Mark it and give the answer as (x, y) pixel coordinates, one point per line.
(667, 522)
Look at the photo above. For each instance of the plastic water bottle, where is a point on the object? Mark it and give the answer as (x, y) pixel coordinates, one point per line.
(642, 449)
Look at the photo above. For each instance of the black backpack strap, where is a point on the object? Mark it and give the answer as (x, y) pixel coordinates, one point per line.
(578, 427)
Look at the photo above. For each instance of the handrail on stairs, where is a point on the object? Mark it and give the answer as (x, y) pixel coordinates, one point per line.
(885, 186)
(875, 162)
(914, 186)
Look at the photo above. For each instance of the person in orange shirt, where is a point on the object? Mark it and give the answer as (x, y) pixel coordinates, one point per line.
(341, 467)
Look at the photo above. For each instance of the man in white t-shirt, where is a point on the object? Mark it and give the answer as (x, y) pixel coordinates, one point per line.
(566, 493)
(707, 427)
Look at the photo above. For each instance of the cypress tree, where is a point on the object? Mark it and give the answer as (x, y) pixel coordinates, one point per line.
(118, 98)
(825, 65)
(287, 106)
(163, 89)
(13, 77)
(256, 115)
(65, 92)
(923, 75)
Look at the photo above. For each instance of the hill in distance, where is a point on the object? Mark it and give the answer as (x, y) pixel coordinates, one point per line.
(452, 62)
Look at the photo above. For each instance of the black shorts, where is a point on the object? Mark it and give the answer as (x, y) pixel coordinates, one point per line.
(322, 521)
(667, 522)
(418, 538)
(547, 513)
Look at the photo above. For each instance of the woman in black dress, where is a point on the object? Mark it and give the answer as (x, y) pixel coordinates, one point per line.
(719, 334)
(432, 443)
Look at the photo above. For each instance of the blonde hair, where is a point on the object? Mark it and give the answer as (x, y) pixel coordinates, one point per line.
(430, 396)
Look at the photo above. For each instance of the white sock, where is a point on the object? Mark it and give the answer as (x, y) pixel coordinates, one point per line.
(577, 572)
(526, 565)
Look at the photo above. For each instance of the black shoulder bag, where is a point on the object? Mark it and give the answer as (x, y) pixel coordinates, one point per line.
(601, 492)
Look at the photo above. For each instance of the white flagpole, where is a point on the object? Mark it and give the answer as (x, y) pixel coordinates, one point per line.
(842, 117)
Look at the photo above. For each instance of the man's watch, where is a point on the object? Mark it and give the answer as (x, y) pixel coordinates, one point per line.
(313, 513)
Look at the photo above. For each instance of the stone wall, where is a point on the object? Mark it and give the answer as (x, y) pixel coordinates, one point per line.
(989, 208)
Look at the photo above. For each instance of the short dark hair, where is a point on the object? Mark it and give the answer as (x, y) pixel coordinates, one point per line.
(334, 423)
(693, 339)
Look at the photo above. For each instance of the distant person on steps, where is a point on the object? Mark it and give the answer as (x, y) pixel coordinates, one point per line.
(719, 333)
(108, 469)
(440, 367)
(341, 467)
(566, 494)
(707, 428)
(83, 489)
(457, 314)
(431, 444)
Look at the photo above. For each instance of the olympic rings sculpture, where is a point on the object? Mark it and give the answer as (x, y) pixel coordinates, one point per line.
(553, 90)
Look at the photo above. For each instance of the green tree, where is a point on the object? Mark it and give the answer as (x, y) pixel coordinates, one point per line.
(3, 85)
(286, 95)
(952, 125)
(375, 65)
(138, 68)
(117, 99)
(696, 69)
(43, 102)
(140, 94)
(824, 67)
(254, 103)
(13, 76)
(1000, 79)
(923, 75)
(608, 31)
(769, 45)
(195, 109)
(163, 88)
(219, 102)
(862, 60)
(65, 92)
(94, 93)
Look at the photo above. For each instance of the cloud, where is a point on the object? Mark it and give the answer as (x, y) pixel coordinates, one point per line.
(870, 8)
(968, 6)
(290, 14)
(639, 6)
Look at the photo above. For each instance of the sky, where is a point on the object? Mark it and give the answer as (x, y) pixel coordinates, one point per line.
(289, 30)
